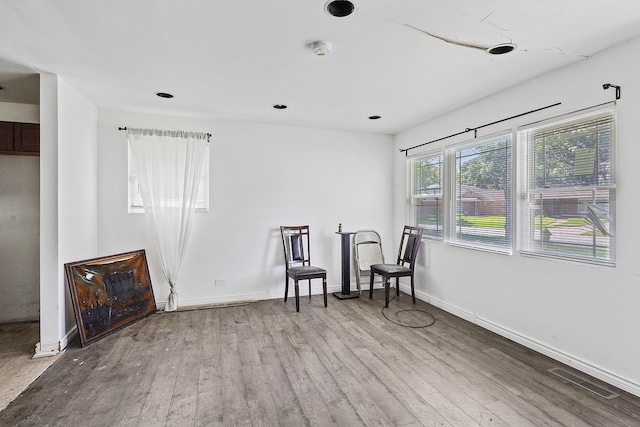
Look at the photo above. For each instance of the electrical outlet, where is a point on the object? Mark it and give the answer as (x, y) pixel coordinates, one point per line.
(220, 282)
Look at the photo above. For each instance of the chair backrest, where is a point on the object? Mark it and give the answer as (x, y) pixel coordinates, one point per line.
(409, 245)
(295, 241)
(367, 249)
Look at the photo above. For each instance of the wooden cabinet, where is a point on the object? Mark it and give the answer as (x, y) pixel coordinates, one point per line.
(19, 138)
(6, 136)
(26, 137)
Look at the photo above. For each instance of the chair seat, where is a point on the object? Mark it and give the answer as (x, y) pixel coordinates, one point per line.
(390, 269)
(305, 271)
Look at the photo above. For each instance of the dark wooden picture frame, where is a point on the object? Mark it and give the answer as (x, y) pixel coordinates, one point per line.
(109, 293)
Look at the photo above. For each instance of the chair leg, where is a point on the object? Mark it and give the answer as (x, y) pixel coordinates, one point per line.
(386, 292)
(309, 288)
(371, 286)
(286, 287)
(413, 290)
(397, 286)
(324, 289)
(297, 296)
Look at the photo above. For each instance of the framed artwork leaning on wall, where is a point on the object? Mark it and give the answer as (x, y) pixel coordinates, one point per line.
(109, 293)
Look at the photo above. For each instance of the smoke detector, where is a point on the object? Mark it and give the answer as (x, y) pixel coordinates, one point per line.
(321, 48)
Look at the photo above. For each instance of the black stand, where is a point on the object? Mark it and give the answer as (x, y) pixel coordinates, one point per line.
(345, 240)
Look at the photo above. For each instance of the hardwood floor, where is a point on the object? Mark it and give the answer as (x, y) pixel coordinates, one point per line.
(17, 366)
(263, 364)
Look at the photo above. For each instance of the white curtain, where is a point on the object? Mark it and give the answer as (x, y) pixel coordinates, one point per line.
(168, 165)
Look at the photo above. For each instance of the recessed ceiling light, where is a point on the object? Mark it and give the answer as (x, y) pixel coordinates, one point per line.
(374, 117)
(279, 106)
(339, 8)
(164, 95)
(501, 48)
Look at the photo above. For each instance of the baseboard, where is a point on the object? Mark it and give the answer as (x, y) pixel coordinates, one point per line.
(579, 364)
(554, 353)
(226, 299)
(39, 352)
(54, 349)
(68, 337)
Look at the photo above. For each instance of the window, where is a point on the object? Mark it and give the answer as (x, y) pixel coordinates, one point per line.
(480, 209)
(135, 198)
(568, 201)
(426, 194)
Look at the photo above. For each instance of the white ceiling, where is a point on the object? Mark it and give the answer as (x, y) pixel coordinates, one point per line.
(403, 60)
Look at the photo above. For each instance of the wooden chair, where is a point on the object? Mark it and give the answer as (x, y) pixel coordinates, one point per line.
(405, 264)
(295, 241)
(367, 250)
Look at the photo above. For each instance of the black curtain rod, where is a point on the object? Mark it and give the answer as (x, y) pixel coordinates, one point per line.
(475, 129)
(125, 128)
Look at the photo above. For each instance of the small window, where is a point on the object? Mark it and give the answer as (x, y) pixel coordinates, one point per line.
(480, 209)
(135, 198)
(568, 201)
(426, 194)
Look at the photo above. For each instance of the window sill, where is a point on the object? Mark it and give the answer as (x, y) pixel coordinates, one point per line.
(140, 210)
(577, 261)
(506, 252)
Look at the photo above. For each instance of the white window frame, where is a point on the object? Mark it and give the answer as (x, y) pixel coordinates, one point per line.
(417, 197)
(134, 198)
(532, 242)
(447, 192)
(450, 186)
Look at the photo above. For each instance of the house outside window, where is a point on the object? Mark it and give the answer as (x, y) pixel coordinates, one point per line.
(568, 188)
(427, 193)
(480, 193)
(463, 195)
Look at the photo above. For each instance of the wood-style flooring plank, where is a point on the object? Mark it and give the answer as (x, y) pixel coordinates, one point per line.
(482, 363)
(182, 409)
(148, 345)
(264, 364)
(383, 387)
(305, 343)
(156, 407)
(234, 398)
(289, 411)
(262, 408)
(331, 349)
(414, 390)
(209, 410)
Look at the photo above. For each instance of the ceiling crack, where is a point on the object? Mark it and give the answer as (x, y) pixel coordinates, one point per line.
(449, 40)
(486, 19)
(563, 53)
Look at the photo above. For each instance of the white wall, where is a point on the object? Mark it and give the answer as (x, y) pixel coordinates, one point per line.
(68, 202)
(583, 315)
(22, 113)
(261, 176)
(19, 225)
(77, 186)
(49, 283)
